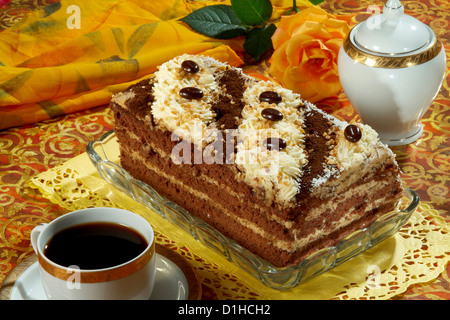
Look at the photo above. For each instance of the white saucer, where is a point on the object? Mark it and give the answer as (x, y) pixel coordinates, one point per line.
(175, 280)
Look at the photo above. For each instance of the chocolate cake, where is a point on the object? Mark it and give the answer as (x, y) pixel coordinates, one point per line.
(272, 172)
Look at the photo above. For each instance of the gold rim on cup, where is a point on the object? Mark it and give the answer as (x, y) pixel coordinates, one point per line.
(100, 275)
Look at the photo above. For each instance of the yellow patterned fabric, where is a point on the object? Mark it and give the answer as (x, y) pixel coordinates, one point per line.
(73, 55)
(80, 66)
(418, 253)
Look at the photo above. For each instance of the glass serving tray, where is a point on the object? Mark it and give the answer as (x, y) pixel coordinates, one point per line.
(271, 276)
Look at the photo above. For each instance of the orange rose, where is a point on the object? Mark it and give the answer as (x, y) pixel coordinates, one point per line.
(306, 51)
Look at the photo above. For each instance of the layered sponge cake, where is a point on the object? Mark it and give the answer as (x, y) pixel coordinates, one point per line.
(252, 159)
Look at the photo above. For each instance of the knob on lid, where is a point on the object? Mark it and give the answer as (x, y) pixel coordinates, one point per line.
(393, 32)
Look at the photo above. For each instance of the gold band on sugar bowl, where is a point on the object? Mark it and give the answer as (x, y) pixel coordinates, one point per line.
(391, 62)
(101, 275)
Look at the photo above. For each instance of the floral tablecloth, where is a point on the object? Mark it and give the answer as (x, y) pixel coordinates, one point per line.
(27, 151)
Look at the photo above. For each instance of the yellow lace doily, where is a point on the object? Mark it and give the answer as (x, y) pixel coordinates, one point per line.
(418, 253)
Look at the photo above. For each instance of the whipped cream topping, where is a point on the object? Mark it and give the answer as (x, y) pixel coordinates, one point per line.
(187, 118)
(352, 154)
(347, 155)
(277, 172)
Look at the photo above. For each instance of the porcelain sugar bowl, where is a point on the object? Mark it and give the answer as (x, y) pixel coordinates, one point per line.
(391, 68)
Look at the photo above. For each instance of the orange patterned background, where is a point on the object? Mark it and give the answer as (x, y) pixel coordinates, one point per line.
(28, 150)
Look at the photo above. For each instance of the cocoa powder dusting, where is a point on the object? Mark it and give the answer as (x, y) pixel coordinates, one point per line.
(317, 135)
(229, 106)
(140, 103)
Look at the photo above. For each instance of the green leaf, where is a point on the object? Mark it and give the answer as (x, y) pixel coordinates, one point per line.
(316, 2)
(252, 12)
(216, 21)
(259, 41)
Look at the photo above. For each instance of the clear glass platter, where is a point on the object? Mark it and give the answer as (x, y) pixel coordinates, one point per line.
(271, 276)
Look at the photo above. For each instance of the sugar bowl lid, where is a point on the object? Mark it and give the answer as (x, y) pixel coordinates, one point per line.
(392, 39)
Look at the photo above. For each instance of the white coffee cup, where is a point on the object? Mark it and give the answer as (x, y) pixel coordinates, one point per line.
(133, 279)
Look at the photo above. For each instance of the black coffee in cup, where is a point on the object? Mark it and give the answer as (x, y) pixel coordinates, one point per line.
(95, 245)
